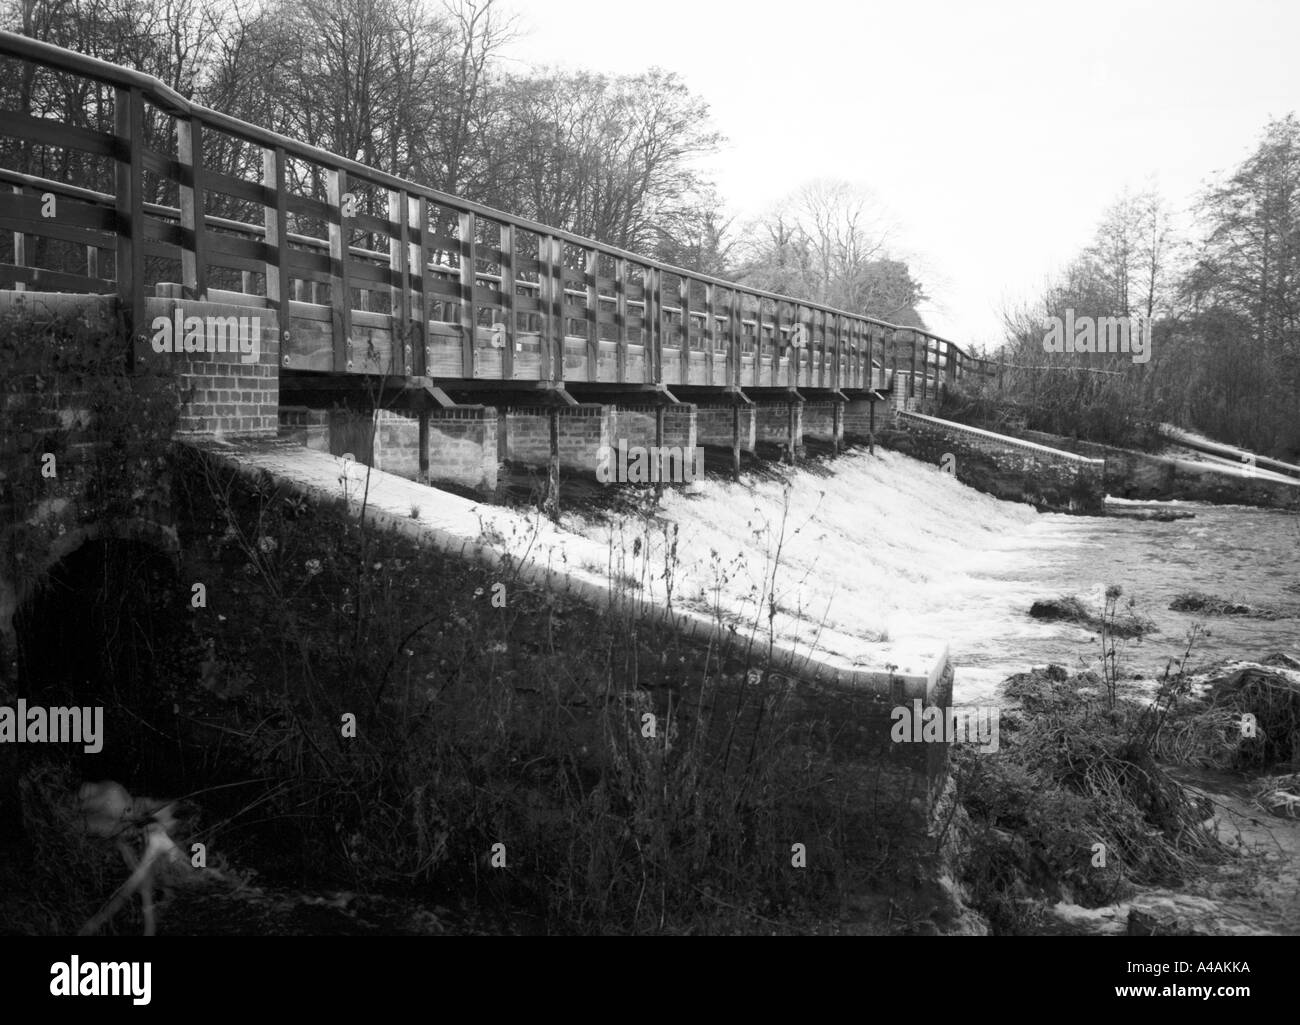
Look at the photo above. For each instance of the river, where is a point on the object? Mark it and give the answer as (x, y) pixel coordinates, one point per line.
(1237, 553)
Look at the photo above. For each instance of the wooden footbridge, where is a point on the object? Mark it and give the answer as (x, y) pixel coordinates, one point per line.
(154, 201)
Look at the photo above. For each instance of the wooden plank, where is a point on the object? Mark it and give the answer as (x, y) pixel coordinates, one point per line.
(163, 166)
(48, 228)
(791, 352)
(426, 284)
(372, 224)
(399, 293)
(40, 280)
(912, 382)
(620, 319)
(219, 258)
(275, 218)
(735, 329)
(869, 367)
(50, 132)
(305, 206)
(128, 126)
(69, 212)
(304, 263)
(165, 250)
(684, 304)
(468, 307)
(240, 188)
(194, 264)
(823, 346)
(364, 274)
(336, 186)
(511, 303)
(651, 325)
(20, 245)
(221, 245)
(709, 336)
(593, 315)
(555, 319)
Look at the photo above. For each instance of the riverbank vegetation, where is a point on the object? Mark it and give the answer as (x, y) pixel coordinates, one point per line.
(1085, 804)
(353, 712)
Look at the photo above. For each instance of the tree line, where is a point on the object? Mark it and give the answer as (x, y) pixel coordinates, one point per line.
(1223, 299)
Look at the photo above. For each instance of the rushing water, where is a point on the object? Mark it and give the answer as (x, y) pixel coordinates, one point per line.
(884, 553)
(1237, 553)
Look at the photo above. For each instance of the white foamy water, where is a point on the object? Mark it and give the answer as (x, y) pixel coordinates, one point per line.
(888, 552)
(883, 553)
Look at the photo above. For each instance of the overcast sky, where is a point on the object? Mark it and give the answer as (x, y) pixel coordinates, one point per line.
(995, 133)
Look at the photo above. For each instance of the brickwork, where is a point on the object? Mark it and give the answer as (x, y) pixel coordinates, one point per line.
(582, 431)
(857, 418)
(713, 426)
(637, 425)
(772, 422)
(307, 427)
(462, 446)
(819, 421)
(231, 393)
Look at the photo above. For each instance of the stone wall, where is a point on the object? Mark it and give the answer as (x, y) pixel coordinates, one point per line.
(772, 423)
(713, 426)
(230, 393)
(819, 421)
(1047, 481)
(637, 425)
(582, 431)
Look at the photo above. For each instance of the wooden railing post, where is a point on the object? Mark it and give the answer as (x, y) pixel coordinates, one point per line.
(555, 320)
(128, 118)
(426, 287)
(710, 338)
(823, 331)
(649, 324)
(336, 185)
(655, 322)
(912, 384)
(778, 344)
(508, 287)
(20, 246)
(399, 294)
(836, 350)
(468, 308)
(275, 218)
(620, 318)
(593, 314)
(684, 304)
(736, 331)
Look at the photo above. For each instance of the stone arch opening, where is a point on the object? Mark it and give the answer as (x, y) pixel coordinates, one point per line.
(107, 626)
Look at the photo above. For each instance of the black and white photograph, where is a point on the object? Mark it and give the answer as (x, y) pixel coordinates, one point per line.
(506, 469)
